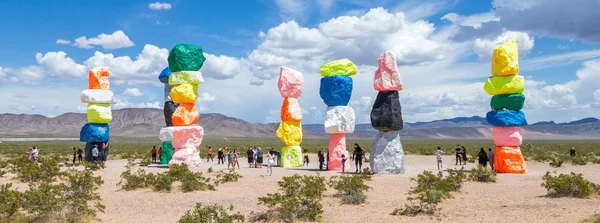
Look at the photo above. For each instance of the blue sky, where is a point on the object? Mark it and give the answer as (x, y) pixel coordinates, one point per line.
(443, 50)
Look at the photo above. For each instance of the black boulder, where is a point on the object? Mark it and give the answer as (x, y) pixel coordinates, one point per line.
(387, 112)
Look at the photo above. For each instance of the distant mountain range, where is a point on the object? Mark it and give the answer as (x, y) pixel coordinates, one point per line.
(143, 122)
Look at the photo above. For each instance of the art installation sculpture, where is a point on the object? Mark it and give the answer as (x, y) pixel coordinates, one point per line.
(336, 90)
(506, 87)
(290, 86)
(182, 137)
(99, 113)
(387, 155)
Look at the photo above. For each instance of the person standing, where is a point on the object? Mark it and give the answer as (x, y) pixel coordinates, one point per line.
(220, 157)
(464, 155)
(74, 154)
(30, 154)
(278, 155)
(438, 157)
(259, 157)
(358, 156)
(95, 154)
(306, 160)
(79, 154)
(209, 155)
(321, 159)
(103, 155)
(230, 160)
(159, 153)
(572, 152)
(153, 154)
(249, 154)
(34, 154)
(344, 163)
(236, 160)
(458, 155)
(327, 159)
(270, 162)
(254, 157)
(491, 157)
(483, 158)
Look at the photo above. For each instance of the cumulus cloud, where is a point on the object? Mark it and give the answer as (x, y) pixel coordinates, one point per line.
(484, 47)
(597, 96)
(475, 20)
(29, 74)
(159, 6)
(123, 103)
(116, 40)
(58, 64)
(147, 64)
(63, 42)
(132, 92)
(206, 97)
(21, 107)
(290, 9)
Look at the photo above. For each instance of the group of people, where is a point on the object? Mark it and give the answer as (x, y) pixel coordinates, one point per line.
(156, 153)
(461, 157)
(33, 154)
(100, 155)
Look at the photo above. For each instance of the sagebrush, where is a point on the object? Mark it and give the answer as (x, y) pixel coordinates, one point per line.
(211, 213)
(569, 185)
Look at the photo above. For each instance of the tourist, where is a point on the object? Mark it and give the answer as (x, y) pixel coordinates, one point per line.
(74, 154)
(358, 156)
(259, 157)
(464, 155)
(278, 155)
(79, 154)
(491, 158)
(230, 160)
(249, 154)
(30, 154)
(210, 155)
(327, 164)
(458, 155)
(220, 156)
(321, 159)
(438, 156)
(344, 163)
(483, 158)
(270, 162)
(103, 155)
(95, 154)
(153, 154)
(236, 160)
(572, 152)
(159, 153)
(34, 154)
(254, 157)
(306, 160)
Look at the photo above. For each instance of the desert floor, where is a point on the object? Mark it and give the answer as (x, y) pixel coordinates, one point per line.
(514, 198)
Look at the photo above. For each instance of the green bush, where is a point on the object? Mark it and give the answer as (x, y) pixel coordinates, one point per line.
(592, 219)
(192, 181)
(137, 180)
(46, 169)
(212, 214)
(298, 199)
(556, 162)
(210, 170)
(3, 168)
(569, 185)
(350, 188)
(482, 174)
(162, 182)
(579, 160)
(12, 201)
(232, 176)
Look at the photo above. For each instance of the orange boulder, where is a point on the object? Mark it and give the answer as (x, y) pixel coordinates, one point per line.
(186, 114)
(98, 78)
(509, 160)
(290, 110)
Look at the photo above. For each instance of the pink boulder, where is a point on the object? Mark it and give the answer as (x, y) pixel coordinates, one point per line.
(187, 137)
(290, 82)
(507, 136)
(187, 156)
(387, 77)
(337, 148)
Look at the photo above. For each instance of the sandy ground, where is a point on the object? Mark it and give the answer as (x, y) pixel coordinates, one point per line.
(515, 198)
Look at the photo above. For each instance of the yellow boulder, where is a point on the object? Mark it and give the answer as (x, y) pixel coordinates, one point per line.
(184, 93)
(99, 113)
(343, 67)
(498, 85)
(290, 133)
(505, 59)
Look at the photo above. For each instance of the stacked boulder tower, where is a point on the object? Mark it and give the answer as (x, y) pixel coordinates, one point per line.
(99, 113)
(387, 154)
(506, 117)
(182, 133)
(290, 86)
(336, 90)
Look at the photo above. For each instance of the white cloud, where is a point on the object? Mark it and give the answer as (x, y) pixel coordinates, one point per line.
(21, 107)
(597, 96)
(475, 20)
(123, 103)
(116, 40)
(221, 67)
(325, 5)
(159, 6)
(3, 73)
(558, 59)
(63, 42)
(206, 97)
(420, 9)
(145, 68)
(59, 65)
(290, 9)
(485, 47)
(562, 47)
(132, 92)
(29, 74)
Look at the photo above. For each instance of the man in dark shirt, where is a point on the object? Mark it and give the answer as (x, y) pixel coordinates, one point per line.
(220, 159)
(250, 155)
(458, 155)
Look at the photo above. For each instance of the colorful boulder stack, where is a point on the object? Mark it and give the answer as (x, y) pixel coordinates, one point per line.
(506, 116)
(181, 79)
(290, 86)
(99, 113)
(387, 155)
(336, 90)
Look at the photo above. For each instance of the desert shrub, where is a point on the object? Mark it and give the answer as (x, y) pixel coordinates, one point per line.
(162, 182)
(569, 185)
(12, 201)
(556, 162)
(228, 177)
(192, 181)
(367, 171)
(592, 219)
(482, 174)
(210, 170)
(211, 213)
(350, 188)
(298, 199)
(145, 162)
(579, 160)
(26, 171)
(3, 168)
(132, 181)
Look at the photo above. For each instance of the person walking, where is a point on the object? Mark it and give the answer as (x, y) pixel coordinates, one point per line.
(79, 154)
(321, 159)
(236, 160)
(358, 156)
(259, 157)
(458, 155)
(250, 155)
(306, 160)
(270, 162)
(438, 157)
(153, 154)
(95, 154)
(74, 154)
(491, 158)
(464, 155)
(230, 160)
(483, 158)
(209, 155)
(220, 157)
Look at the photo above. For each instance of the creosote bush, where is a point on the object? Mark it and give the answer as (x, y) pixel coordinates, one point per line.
(482, 174)
(556, 162)
(569, 185)
(350, 188)
(190, 181)
(223, 177)
(211, 213)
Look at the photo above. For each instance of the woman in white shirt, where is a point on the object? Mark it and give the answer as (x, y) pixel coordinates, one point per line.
(270, 162)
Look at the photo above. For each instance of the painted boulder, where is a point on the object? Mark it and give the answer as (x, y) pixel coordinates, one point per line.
(387, 77)
(506, 118)
(98, 96)
(509, 159)
(290, 110)
(163, 77)
(340, 119)
(291, 83)
(291, 156)
(99, 113)
(337, 148)
(184, 93)
(290, 133)
(185, 114)
(336, 90)
(343, 67)
(186, 77)
(507, 136)
(386, 114)
(387, 154)
(505, 59)
(507, 101)
(186, 57)
(98, 78)
(498, 85)
(94, 133)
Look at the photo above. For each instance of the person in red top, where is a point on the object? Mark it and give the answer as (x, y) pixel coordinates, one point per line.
(154, 154)
(159, 153)
(210, 155)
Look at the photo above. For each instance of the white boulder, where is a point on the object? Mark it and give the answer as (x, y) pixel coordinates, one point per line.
(387, 155)
(166, 133)
(98, 96)
(339, 119)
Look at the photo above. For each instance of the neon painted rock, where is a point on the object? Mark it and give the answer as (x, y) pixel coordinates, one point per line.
(167, 92)
(339, 119)
(386, 114)
(343, 67)
(291, 156)
(290, 133)
(507, 101)
(336, 90)
(507, 136)
(163, 77)
(98, 78)
(166, 133)
(498, 85)
(387, 77)
(98, 96)
(188, 156)
(187, 137)
(94, 133)
(186, 77)
(99, 113)
(290, 110)
(185, 114)
(184, 93)
(509, 160)
(186, 57)
(337, 148)
(168, 110)
(506, 118)
(387, 154)
(167, 152)
(505, 59)
(291, 83)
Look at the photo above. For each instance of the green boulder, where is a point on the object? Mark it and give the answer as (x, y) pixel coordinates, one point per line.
(508, 101)
(343, 67)
(167, 152)
(291, 156)
(186, 57)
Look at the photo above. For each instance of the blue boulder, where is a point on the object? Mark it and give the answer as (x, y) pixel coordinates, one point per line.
(164, 75)
(94, 133)
(506, 118)
(336, 90)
